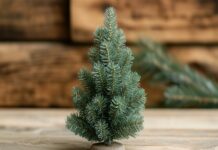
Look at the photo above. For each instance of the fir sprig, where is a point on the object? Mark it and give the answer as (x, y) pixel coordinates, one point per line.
(185, 86)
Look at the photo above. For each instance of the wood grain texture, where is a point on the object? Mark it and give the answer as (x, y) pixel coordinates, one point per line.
(42, 74)
(203, 58)
(39, 74)
(42, 129)
(34, 19)
(173, 21)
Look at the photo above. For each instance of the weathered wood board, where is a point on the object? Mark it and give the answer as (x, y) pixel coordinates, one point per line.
(39, 74)
(34, 20)
(42, 129)
(172, 21)
(42, 74)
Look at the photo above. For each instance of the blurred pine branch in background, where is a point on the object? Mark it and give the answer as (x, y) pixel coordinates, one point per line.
(184, 86)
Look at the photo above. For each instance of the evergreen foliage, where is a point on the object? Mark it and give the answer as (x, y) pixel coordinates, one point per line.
(111, 100)
(185, 86)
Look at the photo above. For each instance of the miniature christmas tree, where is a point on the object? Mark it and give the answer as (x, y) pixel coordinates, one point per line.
(110, 102)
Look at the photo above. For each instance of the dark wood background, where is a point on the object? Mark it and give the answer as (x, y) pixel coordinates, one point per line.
(43, 43)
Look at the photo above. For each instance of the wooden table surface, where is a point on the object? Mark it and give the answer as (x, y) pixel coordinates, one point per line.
(43, 129)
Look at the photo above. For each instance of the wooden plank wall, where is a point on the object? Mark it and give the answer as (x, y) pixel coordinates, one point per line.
(43, 44)
(172, 21)
(39, 74)
(34, 20)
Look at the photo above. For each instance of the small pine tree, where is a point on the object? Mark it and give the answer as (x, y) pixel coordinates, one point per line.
(110, 103)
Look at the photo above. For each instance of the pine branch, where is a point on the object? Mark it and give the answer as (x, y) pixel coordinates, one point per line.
(185, 86)
(114, 79)
(80, 98)
(99, 74)
(87, 81)
(81, 127)
(187, 96)
(117, 107)
(102, 130)
(131, 125)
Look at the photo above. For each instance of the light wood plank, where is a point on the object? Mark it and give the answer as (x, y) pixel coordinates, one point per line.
(154, 119)
(43, 129)
(174, 21)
